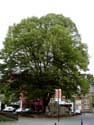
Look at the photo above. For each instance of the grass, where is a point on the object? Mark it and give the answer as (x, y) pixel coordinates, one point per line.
(4, 118)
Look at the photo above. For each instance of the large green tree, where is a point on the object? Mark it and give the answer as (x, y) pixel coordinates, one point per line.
(48, 53)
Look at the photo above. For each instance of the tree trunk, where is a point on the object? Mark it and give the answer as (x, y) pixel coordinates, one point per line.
(46, 101)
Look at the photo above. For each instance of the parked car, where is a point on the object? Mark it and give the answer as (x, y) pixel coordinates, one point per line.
(78, 111)
(9, 109)
(25, 110)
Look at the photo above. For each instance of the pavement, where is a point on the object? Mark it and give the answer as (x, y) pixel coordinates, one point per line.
(87, 118)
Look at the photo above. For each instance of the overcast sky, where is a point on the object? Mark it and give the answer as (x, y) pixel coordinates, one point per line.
(80, 11)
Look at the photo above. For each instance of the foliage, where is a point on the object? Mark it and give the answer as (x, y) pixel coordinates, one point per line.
(41, 54)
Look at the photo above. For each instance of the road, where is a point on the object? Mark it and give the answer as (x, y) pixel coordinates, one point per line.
(87, 118)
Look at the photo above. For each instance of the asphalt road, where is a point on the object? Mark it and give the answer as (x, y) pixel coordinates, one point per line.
(87, 119)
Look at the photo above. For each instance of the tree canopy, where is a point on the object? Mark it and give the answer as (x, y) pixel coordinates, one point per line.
(41, 54)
